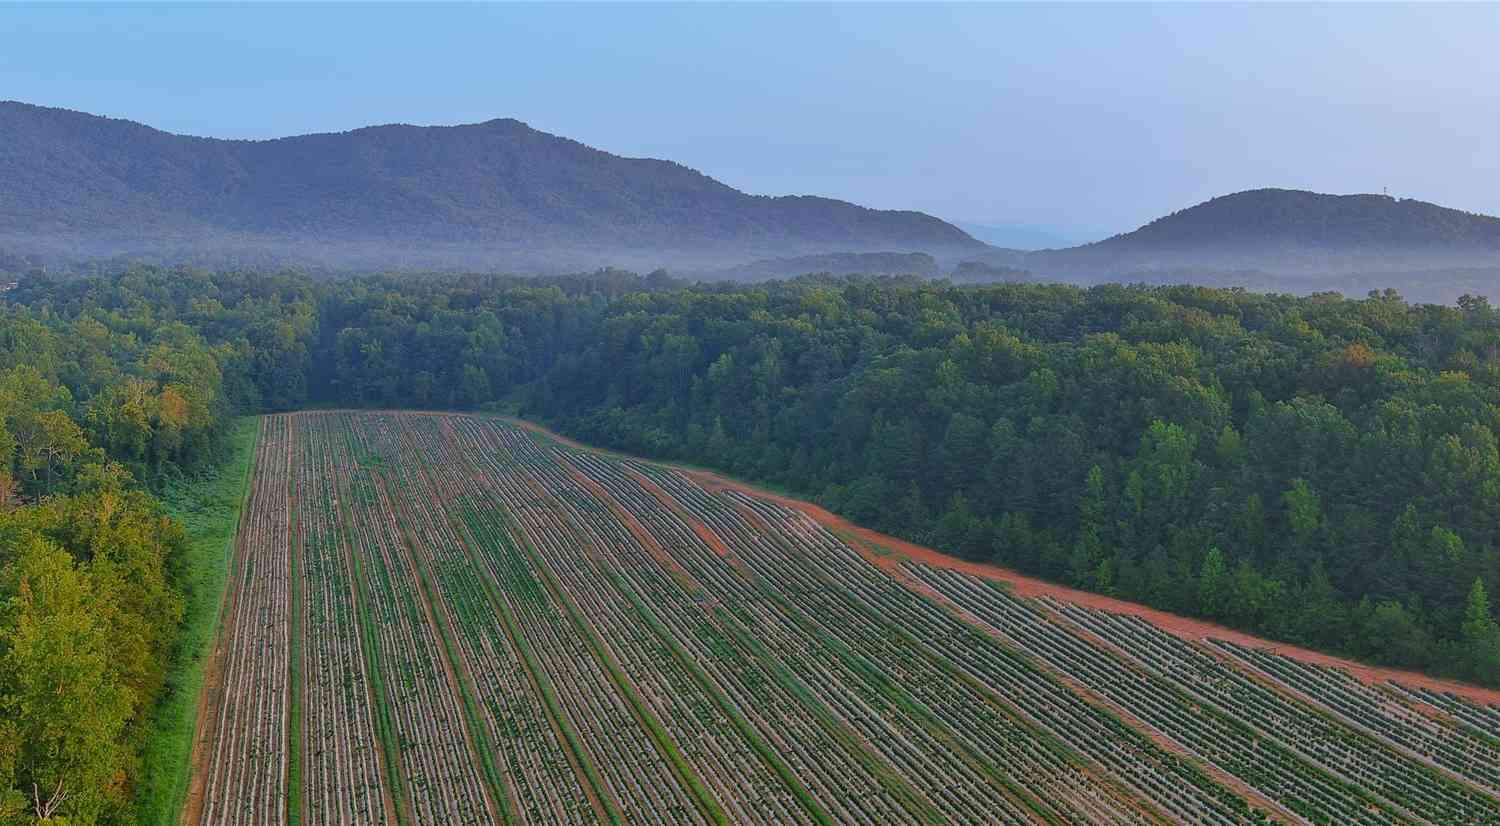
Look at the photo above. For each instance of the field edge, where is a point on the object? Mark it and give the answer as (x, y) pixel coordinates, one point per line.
(882, 549)
(209, 510)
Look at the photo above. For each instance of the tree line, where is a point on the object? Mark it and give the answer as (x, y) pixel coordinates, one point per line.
(1318, 469)
(96, 410)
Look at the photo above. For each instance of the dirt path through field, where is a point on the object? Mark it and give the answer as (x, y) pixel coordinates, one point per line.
(1026, 586)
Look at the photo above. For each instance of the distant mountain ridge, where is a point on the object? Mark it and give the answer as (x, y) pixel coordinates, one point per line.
(500, 184)
(1288, 231)
(501, 195)
(1279, 216)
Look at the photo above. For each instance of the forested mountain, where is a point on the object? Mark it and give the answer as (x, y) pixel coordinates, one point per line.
(502, 196)
(498, 192)
(1285, 217)
(1289, 234)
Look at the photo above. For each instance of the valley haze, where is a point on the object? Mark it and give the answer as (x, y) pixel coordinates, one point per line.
(501, 196)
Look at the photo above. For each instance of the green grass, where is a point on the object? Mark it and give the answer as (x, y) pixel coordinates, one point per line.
(209, 509)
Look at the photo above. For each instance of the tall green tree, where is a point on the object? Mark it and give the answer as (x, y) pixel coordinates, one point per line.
(60, 692)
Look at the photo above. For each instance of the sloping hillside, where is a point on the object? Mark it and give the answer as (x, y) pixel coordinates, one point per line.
(500, 183)
(1289, 232)
(1286, 217)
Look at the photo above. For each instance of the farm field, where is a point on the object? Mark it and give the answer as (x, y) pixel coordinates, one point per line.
(451, 619)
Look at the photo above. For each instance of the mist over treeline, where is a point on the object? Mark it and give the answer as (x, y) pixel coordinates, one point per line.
(72, 254)
(500, 196)
(31, 257)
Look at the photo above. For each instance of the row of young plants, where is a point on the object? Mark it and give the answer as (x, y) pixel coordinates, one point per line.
(1483, 721)
(1203, 730)
(581, 557)
(744, 777)
(523, 750)
(964, 735)
(435, 774)
(341, 761)
(245, 766)
(925, 770)
(962, 784)
(1407, 788)
(822, 774)
(614, 744)
(1122, 760)
(1382, 713)
(739, 635)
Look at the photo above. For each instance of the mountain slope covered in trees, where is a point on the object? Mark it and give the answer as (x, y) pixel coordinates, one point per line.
(490, 190)
(1290, 232)
(1287, 216)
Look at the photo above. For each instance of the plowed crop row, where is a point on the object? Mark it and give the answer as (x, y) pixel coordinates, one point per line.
(448, 619)
(246, 772)
(342, 768)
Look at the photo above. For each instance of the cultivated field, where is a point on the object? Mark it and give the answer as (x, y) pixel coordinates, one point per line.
(447, 619)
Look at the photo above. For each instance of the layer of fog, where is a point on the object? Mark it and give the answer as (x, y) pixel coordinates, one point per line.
(1422, 275)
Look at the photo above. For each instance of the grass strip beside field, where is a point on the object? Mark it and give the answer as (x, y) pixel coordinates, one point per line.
(209, 509)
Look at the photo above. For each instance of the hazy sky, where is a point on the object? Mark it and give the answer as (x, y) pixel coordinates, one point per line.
(1081, 119)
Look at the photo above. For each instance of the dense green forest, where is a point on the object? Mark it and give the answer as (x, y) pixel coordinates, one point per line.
(91, 581)
(1319, 470)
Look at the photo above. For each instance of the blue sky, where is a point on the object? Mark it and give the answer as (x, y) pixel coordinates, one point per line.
(1082, 119)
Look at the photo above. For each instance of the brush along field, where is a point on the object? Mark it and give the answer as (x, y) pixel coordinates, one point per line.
(449, 619)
